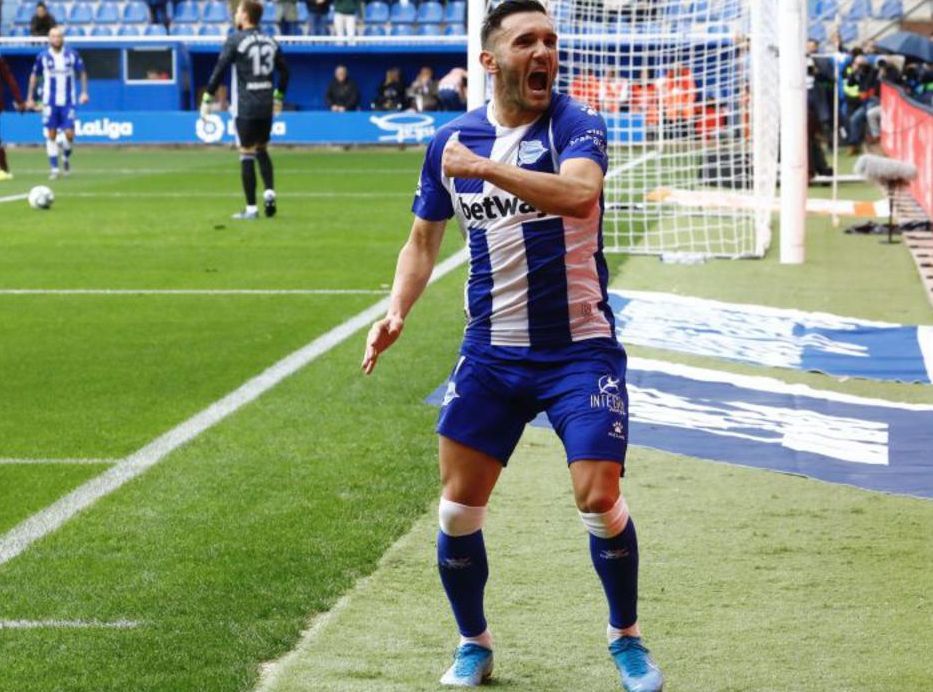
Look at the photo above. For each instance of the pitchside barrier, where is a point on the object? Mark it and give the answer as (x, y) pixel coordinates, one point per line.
(907, 135)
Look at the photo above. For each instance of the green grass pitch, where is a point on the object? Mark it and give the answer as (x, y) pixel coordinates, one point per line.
(225, 551)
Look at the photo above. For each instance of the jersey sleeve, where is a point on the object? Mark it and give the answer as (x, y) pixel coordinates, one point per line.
(282, 68)
(37, 66)
(226, 57)
(432, 200)
(580, 133)
(79, 64)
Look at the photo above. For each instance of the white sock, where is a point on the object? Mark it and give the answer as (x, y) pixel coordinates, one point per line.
(484, 640)
(268, 194)
(251, 209)
(613, 633)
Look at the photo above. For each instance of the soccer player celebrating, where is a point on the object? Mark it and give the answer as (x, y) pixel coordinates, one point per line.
(7, 77)
(59, 66)
(524, 177)
(255, 57)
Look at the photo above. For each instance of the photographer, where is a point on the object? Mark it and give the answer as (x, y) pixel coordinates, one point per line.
(861, 90)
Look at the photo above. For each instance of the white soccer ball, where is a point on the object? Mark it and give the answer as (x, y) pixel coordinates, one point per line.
(41, 197)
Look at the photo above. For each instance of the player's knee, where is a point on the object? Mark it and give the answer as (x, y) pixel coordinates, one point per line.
(456, 519)
(605, 521)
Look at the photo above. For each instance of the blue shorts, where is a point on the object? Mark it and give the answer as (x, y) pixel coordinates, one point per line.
(58, 117)
(488, 403)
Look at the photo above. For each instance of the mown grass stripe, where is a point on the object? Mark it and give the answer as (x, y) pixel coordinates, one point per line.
(52, 517)
(67, 624)
(15, 461)
(191, 291)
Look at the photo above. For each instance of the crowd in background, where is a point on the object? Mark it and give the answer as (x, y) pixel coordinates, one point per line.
(857, 74)
(423, 93)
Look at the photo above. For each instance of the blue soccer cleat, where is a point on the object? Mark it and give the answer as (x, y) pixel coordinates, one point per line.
(638, 671)
(472, 666)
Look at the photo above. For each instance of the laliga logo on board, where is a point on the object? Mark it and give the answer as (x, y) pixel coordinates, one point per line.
(209, 129)
(111, 129)
(404, 126)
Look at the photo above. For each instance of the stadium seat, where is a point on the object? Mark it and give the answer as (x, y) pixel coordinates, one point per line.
(215, 12)
(130, 30)
(817, 31)
(18, 32)
(375, 30)
(813, 9)
(106, 13)
(455, 30)
(81, 13)
(403, 29)
(186, 12)
(859, 9)
(268, 13)
(376, 12)
(74, 30)
(891, 9)
(184, 29)
(23, 14)
(828, 9)
(269, 29)
(211, 30)
(135, 13)
(402, 14)
(155, 30)
(57, 10)
(848, 32)
(455, 11)
(429, 29)
(101, 30)
(430, 12)
(302, 13)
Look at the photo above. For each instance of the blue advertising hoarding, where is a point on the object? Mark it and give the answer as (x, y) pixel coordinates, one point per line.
(185, 127)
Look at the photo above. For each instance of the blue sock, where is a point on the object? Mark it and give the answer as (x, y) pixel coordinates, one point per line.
(66, 153)
(462, 564)
(53, 161)
(616, 563)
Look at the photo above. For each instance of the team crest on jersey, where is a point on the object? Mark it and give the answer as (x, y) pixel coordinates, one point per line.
(530, 151)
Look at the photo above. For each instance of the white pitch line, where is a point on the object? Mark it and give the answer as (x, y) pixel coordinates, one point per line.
(67, 624)
(14, 198)
(225, 169)
(141, 194)
(191, 291)
(13, 461)
(628, 165)
(47, 520)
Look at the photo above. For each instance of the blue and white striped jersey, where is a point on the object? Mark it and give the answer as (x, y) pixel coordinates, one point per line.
(59, 71)
(537, 282)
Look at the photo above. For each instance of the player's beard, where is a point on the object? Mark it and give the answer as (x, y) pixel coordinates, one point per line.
(513, 91)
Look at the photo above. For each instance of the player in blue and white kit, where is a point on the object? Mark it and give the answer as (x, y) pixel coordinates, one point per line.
(524, 177)
(59, 67)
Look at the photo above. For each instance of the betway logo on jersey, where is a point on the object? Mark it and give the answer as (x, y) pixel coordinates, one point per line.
(494, 207)
(105, 127)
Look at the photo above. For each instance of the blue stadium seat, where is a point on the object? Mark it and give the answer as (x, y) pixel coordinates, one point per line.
(859, 9)
(891, 9)
(429, 29)
(717, 29)
(302, 13)
(186, 12)
(375, 30)
(403, 29)
(81, 13)
(215, 12)
(456, 11)
(813, 9)
(269, 29)
(106, 13)
(268, 13)
(430, 12)
(817, 31)
(725, 14)
(211, 30)
(402, 14)
(455, 30)
(57, 10)
(23, 14)
(376, 12)
(184, 29)
(135, 13)
(74, 30)
(19, 31)
(828, 9)
(130, 30)
(848, 32)
(101, 30)
(155, 30)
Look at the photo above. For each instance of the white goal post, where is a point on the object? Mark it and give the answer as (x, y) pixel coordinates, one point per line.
(689, 90)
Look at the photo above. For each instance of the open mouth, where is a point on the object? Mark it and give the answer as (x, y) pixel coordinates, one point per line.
(537, 81)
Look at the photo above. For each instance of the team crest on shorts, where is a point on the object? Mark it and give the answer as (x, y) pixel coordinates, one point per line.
(530, 151)
(609, 395)
(450, 394)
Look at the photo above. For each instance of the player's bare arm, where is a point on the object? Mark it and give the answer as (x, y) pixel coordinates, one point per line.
(572, 192)
(30, 93)
(84, 97)
(415, 264)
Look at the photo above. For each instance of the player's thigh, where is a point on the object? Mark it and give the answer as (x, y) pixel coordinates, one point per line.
(468, 476)
(481, 409)
(587, 403)
(595, 484)
(253, 131)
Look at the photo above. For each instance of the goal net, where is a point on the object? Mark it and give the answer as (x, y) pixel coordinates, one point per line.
(689, 92)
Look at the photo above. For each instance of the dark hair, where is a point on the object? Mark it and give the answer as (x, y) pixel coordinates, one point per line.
(253, 10)
(495, 16)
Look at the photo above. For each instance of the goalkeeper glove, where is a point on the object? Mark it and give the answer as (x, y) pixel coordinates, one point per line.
(206, 102)
(277, 98)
